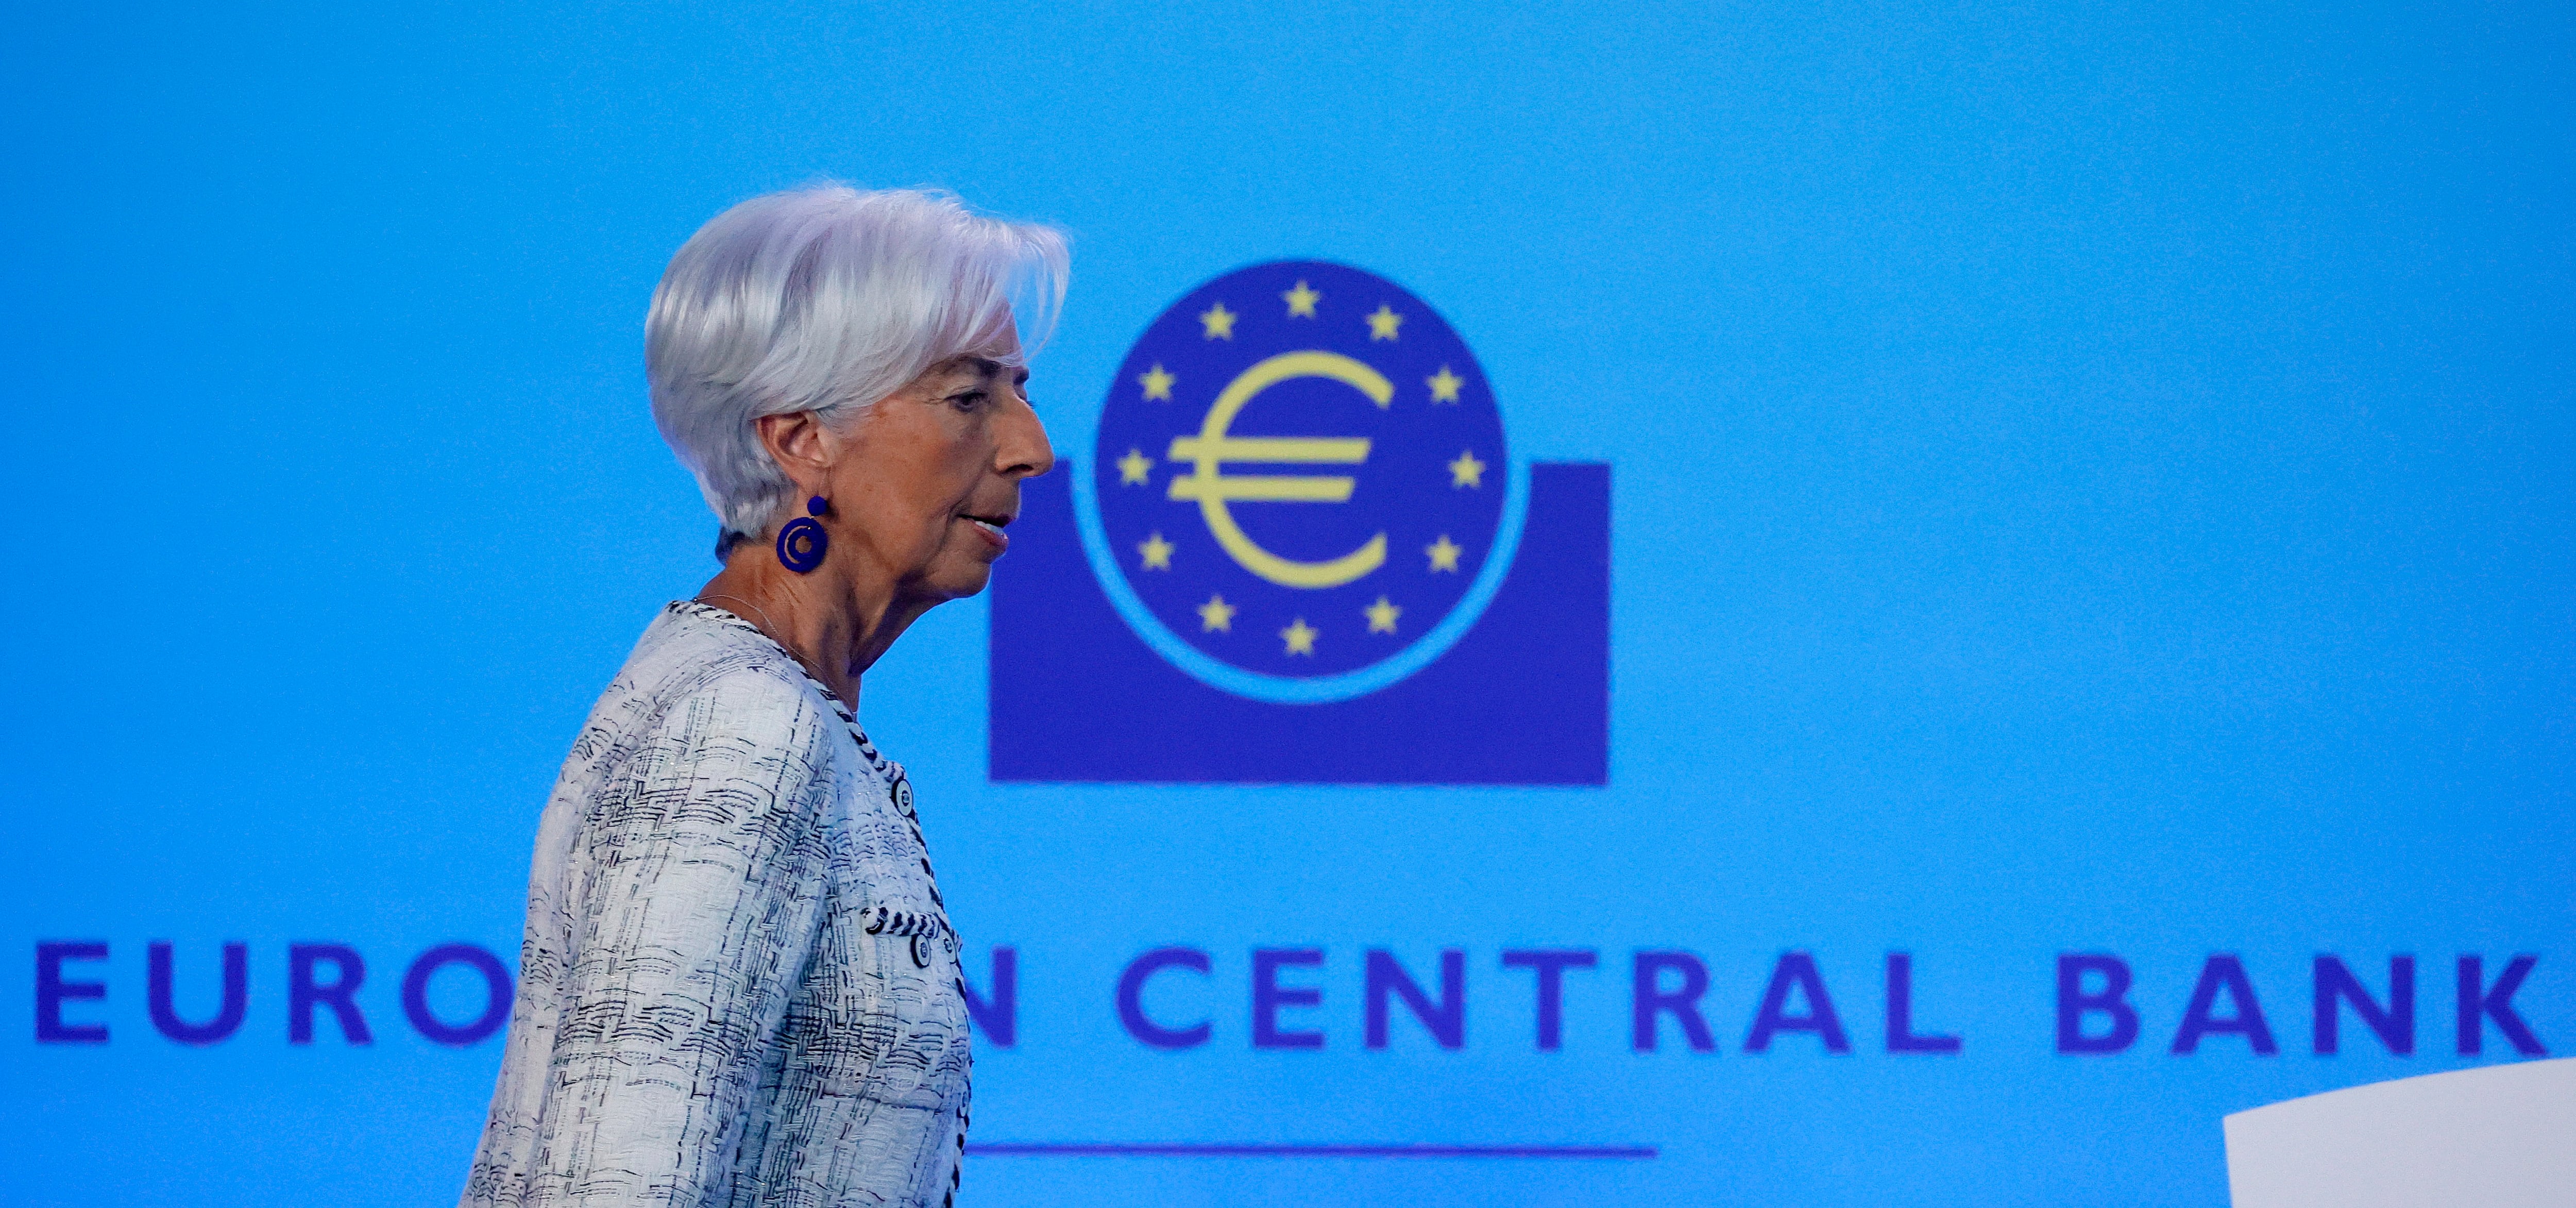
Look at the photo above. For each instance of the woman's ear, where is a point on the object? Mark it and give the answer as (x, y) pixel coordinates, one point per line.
(797, 441)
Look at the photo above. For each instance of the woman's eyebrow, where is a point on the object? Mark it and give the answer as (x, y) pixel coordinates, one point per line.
(979, 373)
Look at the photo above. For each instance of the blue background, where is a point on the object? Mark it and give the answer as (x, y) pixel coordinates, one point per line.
(2088, 477)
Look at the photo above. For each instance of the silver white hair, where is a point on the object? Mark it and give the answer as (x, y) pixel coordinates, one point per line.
(828, 299)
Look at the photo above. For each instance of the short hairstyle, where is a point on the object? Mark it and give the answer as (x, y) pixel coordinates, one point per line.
(827, 299)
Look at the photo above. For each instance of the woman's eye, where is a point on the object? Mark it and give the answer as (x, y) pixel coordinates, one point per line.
(967, 401)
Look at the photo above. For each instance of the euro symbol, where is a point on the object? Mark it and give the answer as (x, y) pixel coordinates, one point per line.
(1212, 448)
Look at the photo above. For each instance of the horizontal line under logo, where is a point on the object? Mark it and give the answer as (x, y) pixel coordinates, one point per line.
(1221, 1150)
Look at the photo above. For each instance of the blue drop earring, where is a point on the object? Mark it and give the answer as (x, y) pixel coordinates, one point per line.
(802, 541)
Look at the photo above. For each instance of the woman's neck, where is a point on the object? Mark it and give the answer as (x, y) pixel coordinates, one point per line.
(836, 621)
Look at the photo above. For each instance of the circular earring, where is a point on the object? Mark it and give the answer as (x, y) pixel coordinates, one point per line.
(802, 541)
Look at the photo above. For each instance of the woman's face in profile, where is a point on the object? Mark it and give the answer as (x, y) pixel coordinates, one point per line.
(935, 474)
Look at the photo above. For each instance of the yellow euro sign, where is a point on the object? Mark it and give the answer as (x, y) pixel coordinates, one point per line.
(1212, 448)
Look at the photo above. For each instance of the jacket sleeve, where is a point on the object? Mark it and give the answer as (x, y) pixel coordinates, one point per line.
(694, 890)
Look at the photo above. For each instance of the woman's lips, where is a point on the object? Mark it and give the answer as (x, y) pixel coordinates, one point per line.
(990, 532)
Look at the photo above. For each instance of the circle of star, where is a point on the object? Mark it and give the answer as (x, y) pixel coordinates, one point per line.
(1300, 637)
(1382, 324)
(1218, 321)
(1381, 615)
(1444, 554)
(1217, 616)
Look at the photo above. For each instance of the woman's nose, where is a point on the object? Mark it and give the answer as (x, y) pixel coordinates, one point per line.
(1025, 452)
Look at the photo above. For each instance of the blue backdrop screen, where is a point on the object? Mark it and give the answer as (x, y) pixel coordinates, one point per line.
(1957, 591)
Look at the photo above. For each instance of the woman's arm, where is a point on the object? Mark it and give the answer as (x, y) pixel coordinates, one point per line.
(693, 891)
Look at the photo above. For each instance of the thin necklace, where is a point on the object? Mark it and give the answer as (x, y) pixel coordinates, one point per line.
(769, 629)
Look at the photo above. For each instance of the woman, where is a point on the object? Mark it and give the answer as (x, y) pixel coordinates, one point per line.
(738, 983)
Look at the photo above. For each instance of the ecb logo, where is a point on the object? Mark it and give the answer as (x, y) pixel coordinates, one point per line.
(1300, 500)
(1302, 551)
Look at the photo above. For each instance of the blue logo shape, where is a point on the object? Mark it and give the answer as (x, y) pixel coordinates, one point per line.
(1302, 552)
(1301, 490)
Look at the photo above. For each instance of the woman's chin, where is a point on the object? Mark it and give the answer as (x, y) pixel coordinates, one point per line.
(958, 578)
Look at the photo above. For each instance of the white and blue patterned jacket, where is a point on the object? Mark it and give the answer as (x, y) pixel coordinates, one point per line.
(738, 984)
